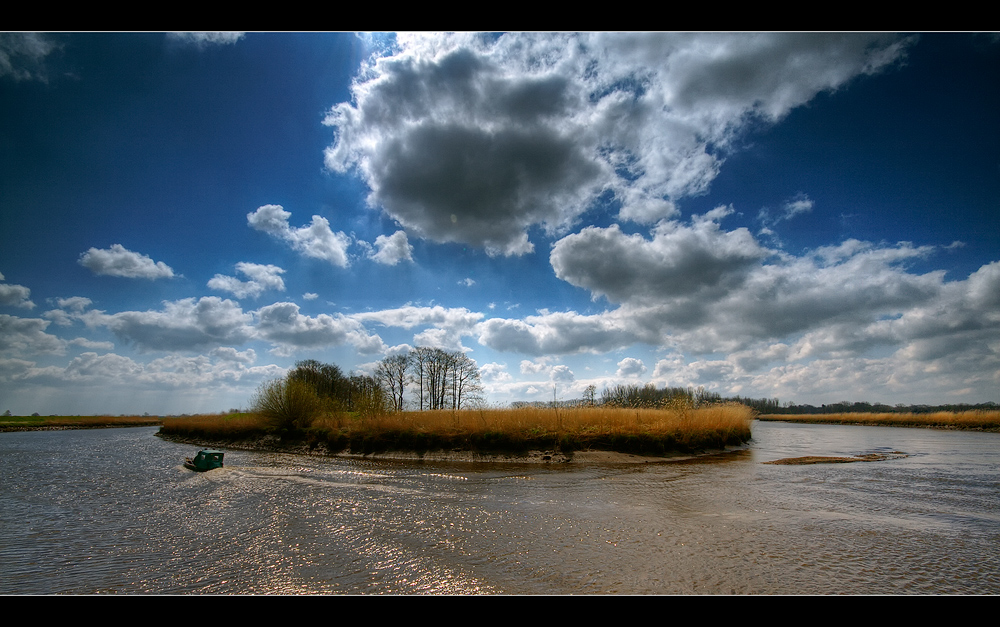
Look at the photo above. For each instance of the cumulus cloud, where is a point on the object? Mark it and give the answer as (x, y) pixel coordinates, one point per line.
(74, 303)
(283, 325)
(262, 277)
(476, 139)
(447, 325)
(119, 261)
(15, 295)
(533, 367)
(680, 261)
(708, 289)
(630, 367)
(186, 324)
(27, 336)
(857, 326)
(227, 353)
(69, 310)
(316, 240)
(561, 374)
(557, 333)
(494, 372)
(393, 249)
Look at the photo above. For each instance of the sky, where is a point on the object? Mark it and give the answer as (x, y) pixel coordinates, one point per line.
(809, 217)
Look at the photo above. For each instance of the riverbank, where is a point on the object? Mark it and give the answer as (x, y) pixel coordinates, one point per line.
(58, 423)
(544, 435)
(978, 420)
(273, 444)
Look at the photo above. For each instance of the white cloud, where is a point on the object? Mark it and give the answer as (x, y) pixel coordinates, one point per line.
(186, 324)
(630, 367)
(315, 240)
(475, 139)
(495, 373)
(557, 333)
(799, 204)
(283, 325)
(310, 296)
(85, 343)
(227, 353)
(392, 249)
(680, 261)
(27, 336)
(168, 373)
(561, 374)
(74, 303)
(118, 261)
(15, 295)
(109, 366)
(262, 277)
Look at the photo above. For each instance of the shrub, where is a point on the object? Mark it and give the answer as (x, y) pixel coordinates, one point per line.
(286, 404)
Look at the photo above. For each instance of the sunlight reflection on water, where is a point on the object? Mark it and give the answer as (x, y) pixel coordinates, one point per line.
(113, 511)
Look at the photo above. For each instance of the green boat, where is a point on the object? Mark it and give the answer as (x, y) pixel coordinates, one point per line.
(204, 460)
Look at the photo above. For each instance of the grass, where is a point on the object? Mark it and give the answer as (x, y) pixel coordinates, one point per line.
(981, 420)
(75, 422)
(640, 431)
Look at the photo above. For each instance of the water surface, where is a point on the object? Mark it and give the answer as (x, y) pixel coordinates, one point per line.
(113, 511)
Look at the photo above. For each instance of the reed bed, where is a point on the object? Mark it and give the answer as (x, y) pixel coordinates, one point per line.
(982, 420)
(75, 422)
(641, 431)
(222, 426)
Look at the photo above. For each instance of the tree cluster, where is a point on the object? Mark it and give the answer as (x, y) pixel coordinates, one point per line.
(341, 392)
(313, 388)
(440, 379)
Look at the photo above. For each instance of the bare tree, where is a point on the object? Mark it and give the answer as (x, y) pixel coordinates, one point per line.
(419, 359)
(391, 372)
(467, 384)
(444, 378)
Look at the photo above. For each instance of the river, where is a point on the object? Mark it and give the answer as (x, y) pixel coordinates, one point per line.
(113, 511)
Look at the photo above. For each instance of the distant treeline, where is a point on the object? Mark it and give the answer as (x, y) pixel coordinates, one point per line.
(649, 396)
(846, 407)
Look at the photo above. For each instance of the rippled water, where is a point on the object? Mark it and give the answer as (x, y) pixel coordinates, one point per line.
(113, 511)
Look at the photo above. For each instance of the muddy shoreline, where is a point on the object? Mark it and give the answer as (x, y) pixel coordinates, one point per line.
(273, 444)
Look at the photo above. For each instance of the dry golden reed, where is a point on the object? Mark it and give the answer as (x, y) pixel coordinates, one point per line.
(650, 431)
(221, 425)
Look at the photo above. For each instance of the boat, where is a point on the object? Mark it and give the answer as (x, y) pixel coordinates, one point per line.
(204, 460)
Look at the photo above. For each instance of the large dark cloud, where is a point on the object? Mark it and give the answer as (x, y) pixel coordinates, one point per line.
(453, 183)
(472, 139)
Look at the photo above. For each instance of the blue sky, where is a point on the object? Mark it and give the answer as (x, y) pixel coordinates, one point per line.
(811, 217)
